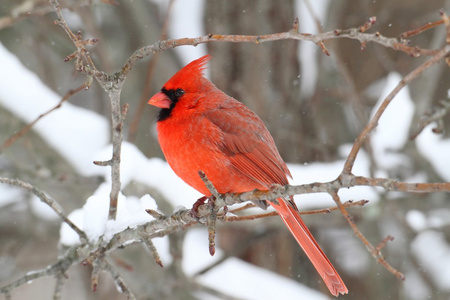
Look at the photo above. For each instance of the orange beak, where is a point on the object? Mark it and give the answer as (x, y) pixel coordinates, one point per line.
(160, 100)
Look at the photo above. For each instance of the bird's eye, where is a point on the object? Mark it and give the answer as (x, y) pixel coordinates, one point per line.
(179, 92)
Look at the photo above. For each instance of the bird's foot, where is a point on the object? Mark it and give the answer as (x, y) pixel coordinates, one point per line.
(194, 211)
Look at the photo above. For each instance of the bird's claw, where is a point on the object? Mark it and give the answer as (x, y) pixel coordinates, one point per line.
(194, 211)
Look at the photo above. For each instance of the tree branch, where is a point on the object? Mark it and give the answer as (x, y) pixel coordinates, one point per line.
(47, 200)
(358, 34)
(374, 121)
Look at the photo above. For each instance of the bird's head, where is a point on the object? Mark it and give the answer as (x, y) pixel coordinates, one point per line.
(187, 81)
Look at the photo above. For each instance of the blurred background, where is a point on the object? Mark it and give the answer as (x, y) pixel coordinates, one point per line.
(311, 103)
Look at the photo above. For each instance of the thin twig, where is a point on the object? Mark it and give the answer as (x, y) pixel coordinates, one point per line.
(113, 87)
(437, 116)
(228, 218)
(211, 224)
(375, 251)
(134, 123)
(343, 181)
(152, 250)
(58, 269)
(97, 267)
(25, 129)
(47, 200)
(419, 30)
(209, 184)
(26, 9)
(121, 285)
(293, 34)
(60, 280)
(374, 121)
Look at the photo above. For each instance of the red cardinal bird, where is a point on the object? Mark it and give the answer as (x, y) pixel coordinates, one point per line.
(201, 128)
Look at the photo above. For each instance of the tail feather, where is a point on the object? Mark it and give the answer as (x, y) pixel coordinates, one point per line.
(305, 239)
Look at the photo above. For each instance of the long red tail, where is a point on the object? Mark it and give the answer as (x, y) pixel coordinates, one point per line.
(305, 239)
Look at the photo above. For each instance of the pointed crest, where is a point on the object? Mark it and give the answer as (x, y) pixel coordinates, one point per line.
(197, 66)
(189, 75)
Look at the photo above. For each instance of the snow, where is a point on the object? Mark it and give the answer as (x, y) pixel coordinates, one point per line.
(42, 210)
(433, 254)
(433, 219)
(246, 281)
(235, 277)
(323, 172)
(196, 251)
(74, 132)
(153, 172)
(93, 217)
(436, 150)
(67, 236)
(9, 194)
(416, 220)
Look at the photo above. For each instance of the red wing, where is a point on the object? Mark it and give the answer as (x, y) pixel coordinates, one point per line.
(248, 144)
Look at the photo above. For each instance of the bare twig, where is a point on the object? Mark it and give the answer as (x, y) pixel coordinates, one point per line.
(58, 269)
(214, 209)
(47, 200)
(152, 250)
(419, 30)
(134, 123)
(25, 129)
(118, 117)
(399, 186)
(211, 223)
(307, 212)
(344, 181)
(375, 251)
(293, 34)
(368, 24)
(96, 269)
(348, 89)
(209, 184)
(60, 280)
(113, 87)
(437, 116)
(374, 121)
(27, 9)
(118, 280)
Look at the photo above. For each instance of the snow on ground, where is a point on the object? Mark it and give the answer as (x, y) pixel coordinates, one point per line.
(246, 281)
(237, 278)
